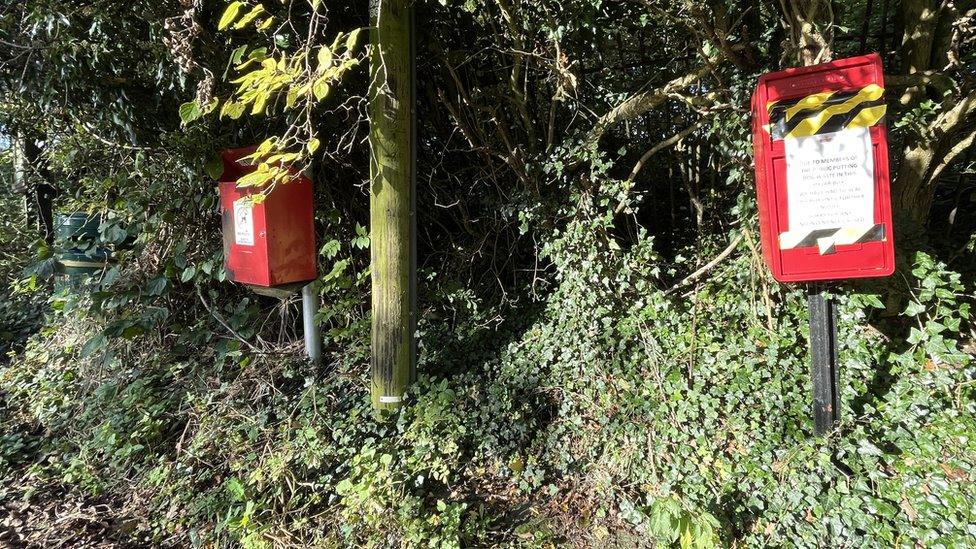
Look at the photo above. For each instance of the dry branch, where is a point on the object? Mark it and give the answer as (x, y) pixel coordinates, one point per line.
(642, 102)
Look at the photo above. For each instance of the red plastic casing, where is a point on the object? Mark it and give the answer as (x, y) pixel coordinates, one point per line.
(864, 260)
(280, 248)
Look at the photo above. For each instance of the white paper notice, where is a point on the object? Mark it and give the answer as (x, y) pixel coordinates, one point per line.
(830, 180)
(243, 223)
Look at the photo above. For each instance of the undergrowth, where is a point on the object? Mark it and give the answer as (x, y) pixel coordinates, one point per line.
(620, 411)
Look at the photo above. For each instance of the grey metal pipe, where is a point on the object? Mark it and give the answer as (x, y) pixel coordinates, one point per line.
(313, 337)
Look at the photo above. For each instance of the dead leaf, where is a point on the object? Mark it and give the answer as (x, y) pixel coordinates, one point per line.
(910, 512)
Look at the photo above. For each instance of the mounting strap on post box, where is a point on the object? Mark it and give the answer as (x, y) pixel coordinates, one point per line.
(823, 355)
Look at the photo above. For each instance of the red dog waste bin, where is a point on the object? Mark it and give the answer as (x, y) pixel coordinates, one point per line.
(821, 153)
(271, 243)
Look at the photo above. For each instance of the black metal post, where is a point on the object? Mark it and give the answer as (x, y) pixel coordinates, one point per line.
(823, 358)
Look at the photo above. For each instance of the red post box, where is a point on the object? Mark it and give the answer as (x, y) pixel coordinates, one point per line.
(267, 244)
(821, 160)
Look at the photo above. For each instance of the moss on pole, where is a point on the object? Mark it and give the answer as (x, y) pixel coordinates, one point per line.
(391, 137)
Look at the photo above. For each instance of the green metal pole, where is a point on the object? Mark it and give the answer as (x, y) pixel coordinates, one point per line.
(392, 189)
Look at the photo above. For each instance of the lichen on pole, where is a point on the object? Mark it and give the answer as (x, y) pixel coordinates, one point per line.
(391, 137)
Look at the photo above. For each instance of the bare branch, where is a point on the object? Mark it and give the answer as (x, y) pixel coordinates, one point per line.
(938, 81)
(961, 146)
(708, 266)
(669, 142)
(643, 102)
(663, 145)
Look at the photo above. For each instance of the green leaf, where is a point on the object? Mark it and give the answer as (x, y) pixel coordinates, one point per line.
(95, 344)
(236, 489)
(873, 301)
(321, 88)
(157, 286)
(687, 538)
(331, 249)
(238, 54)
(214, 167)
(230, 14)
(352, 40)
(914, 308)
(313, 145)
(189, 112)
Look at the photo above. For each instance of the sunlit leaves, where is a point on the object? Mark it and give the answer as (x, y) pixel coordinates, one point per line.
(279, 80)
(313, 145)
(230, 14)
(352, 40)
(189, 112)
(321, 88)
(232, 109)
(325, 58)
(250, 16)
(192, 110)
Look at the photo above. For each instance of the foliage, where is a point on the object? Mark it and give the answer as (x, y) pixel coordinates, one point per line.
(576, 386)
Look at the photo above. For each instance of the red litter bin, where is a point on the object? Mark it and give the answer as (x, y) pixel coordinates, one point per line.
(270, 244)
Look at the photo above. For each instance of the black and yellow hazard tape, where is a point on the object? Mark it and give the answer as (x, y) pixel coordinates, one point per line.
(828, 239)
(826, 112)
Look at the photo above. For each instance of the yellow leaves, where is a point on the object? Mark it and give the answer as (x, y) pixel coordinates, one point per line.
(260, 100)
(291, 97)
(302, 83)
(264, 148)
(265, 174)
(283, 158)
(250, 16)
(232, 109)
(230, 14)
(233, 11)
(263, 26)
(256, 56)
(261, 176)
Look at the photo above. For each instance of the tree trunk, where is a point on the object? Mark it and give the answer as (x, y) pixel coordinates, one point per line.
(391, 137)
(934, 146)
(809, 23)
(41, 196)
(923, 160)
(921, 20)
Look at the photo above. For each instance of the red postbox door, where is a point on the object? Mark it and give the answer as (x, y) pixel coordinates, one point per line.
(821, 160)
(271, 243)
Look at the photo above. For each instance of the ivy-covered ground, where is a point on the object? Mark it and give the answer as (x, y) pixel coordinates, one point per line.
(615, 413)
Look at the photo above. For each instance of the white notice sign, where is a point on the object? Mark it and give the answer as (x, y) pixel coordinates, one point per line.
(830, 180)
(243, 223)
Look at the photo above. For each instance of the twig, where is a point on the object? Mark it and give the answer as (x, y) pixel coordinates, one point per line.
(708, 266)
(224, 324)
(647, 155)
